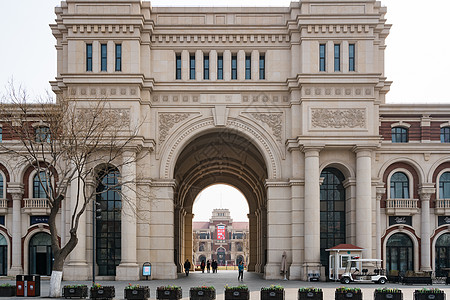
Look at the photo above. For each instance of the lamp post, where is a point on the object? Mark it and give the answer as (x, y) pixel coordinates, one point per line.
(96, 215)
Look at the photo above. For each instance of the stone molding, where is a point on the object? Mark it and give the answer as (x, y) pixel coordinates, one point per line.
(339, 28)
(338, 118)
(221, 38)
(105, 28)
(197, 99)
(345, 91)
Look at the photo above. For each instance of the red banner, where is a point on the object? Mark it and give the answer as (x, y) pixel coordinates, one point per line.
(220, 232)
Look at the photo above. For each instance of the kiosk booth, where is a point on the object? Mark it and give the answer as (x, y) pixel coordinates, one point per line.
(339, 255)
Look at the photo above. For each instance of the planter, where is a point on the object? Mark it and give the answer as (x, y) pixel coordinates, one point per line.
(238, 294)
(429, 296)
(347, 296)
(387, 296)
(7, 291)
(202, 294)
(103, 293)
(169, 294)
(272, 294)
(310, 295)
(140, 293)
(79, 292)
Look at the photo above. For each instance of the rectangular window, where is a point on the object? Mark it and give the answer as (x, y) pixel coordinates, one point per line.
(234, 67)
(262, 67)
(118, 57)
(178, 67)
(1, 134)
(103, 55)
(322, 55)
(337, 57)
(206, 67)
(351, 57)
(88, 57)
(192, 67)
(220, 67)
(248, 67)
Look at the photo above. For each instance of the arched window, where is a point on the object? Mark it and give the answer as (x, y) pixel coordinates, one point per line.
(42, 134)
(40, 185)
(332, 212)
(2, 186)
(3, 256)
(399, 134)
(445, 135)
(444, 186)
(399, 253)
(399, 186)
(201, 247)
(442, 255)
(108, 227)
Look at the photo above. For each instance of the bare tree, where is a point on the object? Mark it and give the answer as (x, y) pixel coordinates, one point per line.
(65, 140)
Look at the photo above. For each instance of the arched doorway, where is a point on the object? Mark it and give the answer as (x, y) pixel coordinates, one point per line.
(108, 227)
(221, 256)
(40, 254)
(399, 253)
(332, 212)
(3, 256)
(442, 259)
(221, 158)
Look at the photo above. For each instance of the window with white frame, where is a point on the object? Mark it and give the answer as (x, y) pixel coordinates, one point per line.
(399, 183)
(42, 134)
(444, 186)
(41, 184)
(2, 186)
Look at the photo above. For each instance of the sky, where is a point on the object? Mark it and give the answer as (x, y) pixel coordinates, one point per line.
(417, 53)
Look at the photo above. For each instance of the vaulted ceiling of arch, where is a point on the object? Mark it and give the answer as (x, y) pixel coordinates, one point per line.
(220, 157)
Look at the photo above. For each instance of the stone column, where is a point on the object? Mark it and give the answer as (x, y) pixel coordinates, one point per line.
(227, 65)
(77, 268)
(16, 191)
(241, 65)
(162, 229)
(297, 188)
(128, 268)
(213, 65)
(381, 190)
(425, 192)
(185, 65)
(258, 240)
(255, 65)
(364, 201)
(199, 65)
(252, 220)
(312, 209)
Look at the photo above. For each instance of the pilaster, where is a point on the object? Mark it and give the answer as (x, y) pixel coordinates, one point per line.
(425, 192)
(16, 192)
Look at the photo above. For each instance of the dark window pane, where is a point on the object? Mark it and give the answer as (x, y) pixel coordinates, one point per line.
(248, 67)
(103, 55)
(351, 57)
(118, 57)
(262, 67)
(192, 67)
(337, 57)
(322, 56)
(234, 67)
(88, 57)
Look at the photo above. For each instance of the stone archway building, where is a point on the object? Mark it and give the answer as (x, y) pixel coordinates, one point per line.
(267, 100)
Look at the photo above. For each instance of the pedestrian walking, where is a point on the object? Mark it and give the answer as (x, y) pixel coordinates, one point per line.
(208, 265)
(214, 266)
(202, 266)
(241, 271)
(187, 267)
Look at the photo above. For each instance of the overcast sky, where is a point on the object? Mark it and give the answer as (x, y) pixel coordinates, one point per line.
(417, 54)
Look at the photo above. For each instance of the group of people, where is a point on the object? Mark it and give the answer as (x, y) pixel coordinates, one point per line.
(209, 264)
(213, 265)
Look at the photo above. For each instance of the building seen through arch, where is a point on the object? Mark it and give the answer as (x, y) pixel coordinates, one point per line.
(221, 239)
(286, 104)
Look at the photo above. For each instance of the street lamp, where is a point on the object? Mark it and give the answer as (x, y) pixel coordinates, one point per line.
(96, 215)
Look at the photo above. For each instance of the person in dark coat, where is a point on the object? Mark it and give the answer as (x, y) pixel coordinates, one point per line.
(187, 267)
(202, 266)
(214, 266)
(208, 265)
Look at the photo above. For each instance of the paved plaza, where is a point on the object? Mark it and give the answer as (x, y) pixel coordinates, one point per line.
(253, 280)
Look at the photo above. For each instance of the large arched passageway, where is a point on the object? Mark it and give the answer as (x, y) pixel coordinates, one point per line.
(221, 157)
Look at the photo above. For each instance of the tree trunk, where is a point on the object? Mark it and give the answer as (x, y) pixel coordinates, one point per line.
(55, 284)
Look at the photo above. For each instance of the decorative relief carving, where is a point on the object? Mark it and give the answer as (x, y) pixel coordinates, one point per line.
(273, 120)
(338, 118)
(167, 121)
(119, 116)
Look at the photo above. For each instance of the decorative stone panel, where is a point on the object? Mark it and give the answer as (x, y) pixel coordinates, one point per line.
(338, 118)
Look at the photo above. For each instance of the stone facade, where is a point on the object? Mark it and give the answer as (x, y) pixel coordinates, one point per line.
(286, 104)
(220, 239)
